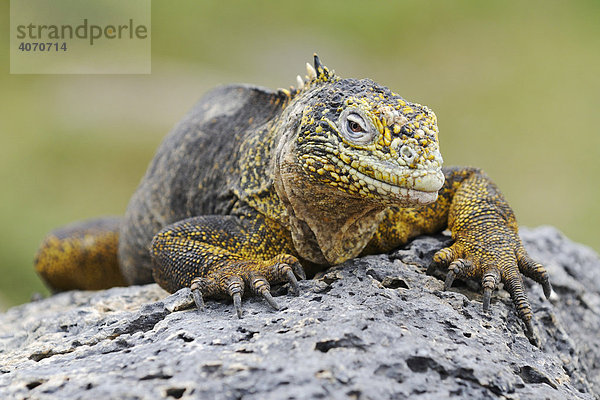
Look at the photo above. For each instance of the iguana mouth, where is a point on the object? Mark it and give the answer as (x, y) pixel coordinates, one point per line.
(380, 180)
(418, 186)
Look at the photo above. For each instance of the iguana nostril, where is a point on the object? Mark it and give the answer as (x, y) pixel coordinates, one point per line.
(407, 153)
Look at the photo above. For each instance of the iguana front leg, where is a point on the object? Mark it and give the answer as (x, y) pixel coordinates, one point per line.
(221, 256)
(485, 232)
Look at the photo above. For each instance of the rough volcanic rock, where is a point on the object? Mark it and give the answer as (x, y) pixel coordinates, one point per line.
(376, 327)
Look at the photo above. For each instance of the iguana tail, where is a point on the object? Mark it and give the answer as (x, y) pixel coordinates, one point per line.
(82, 255)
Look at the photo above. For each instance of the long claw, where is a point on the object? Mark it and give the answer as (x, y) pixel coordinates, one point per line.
(531, 334)
(489, 283)
(299, 271)
(261, 287)
(235, 288)
(431, 268)
(198, 299)
(197, 294)
(456, 268)
(529, 327)
(267, 296)
(487, 295)
(449, 279)
(292, 281)
(237, 303)
(283, 270)
(547, 288)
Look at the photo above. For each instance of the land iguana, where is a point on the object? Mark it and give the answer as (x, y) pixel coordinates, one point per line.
(253, 185)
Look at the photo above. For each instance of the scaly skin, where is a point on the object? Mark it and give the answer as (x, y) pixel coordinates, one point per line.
(253, 185)
(82, 255)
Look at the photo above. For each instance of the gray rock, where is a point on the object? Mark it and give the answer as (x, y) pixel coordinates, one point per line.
(376, 327)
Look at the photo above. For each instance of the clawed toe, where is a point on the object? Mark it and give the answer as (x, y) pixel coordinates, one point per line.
(547, 289)
(534, 270)
(441, 259)
(489, 283)
(237, 304)
(286, 271)
(269, 298)
(449, 279)
(197, 294)
(291, 278)
(460, 267)
(487, 295)
(298, 270)
(260, 286)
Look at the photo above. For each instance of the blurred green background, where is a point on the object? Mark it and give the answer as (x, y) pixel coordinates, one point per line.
(515, 86)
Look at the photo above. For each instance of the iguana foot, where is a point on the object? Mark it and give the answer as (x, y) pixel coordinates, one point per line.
(500, 260)
(232, 280)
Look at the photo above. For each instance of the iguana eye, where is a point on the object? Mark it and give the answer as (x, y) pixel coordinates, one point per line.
(355, 123)
(355, 127)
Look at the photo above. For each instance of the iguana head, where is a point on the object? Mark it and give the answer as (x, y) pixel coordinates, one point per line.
(365, 140)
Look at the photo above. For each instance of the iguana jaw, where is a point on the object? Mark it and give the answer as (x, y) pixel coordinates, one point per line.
(388, 182)
(396, 186)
